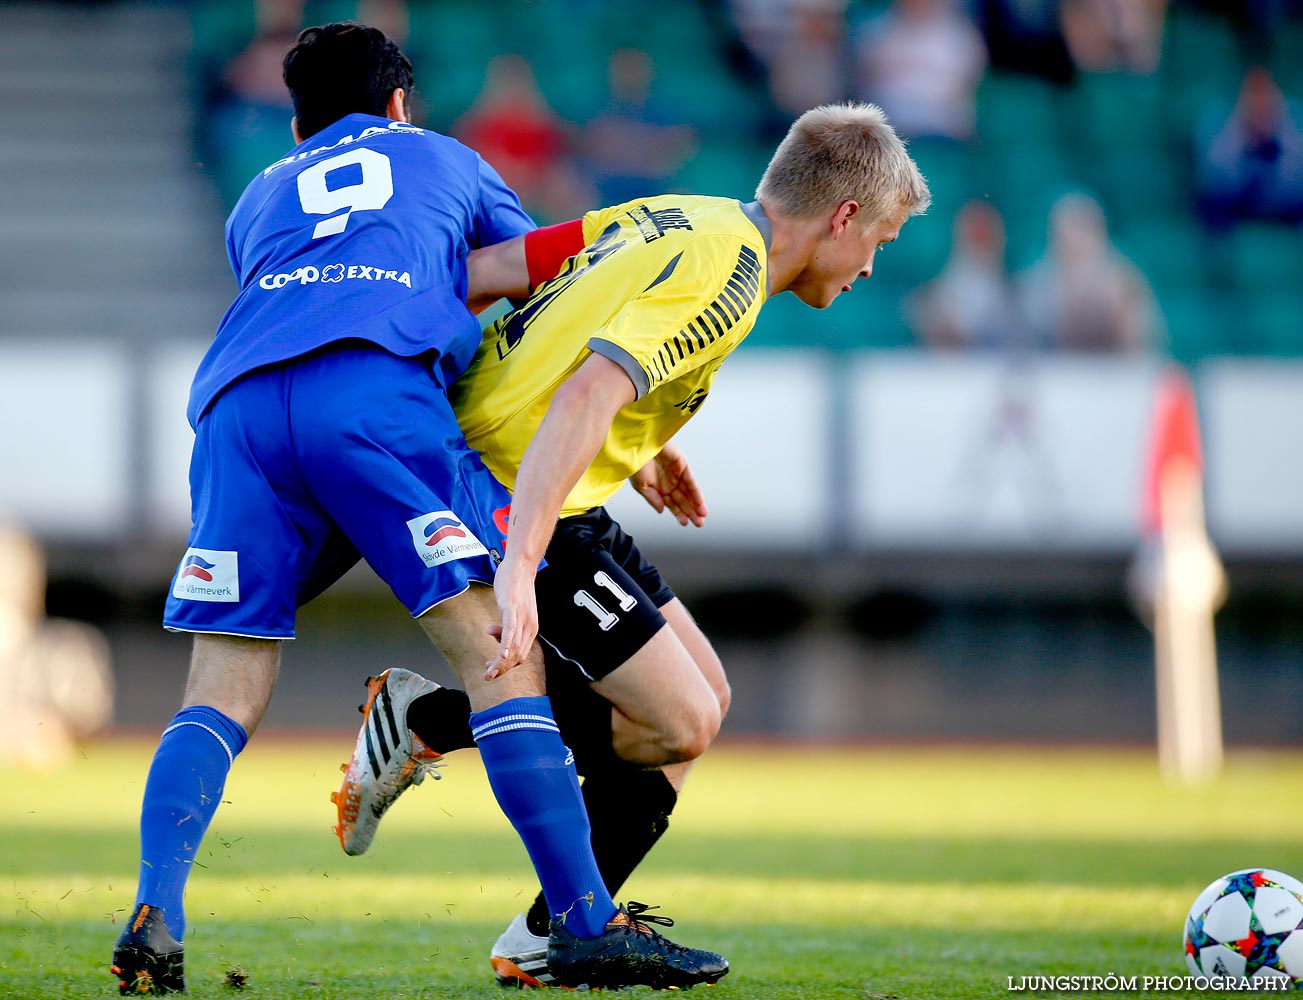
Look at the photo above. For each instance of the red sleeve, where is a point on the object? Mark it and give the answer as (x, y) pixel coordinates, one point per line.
(548, 248)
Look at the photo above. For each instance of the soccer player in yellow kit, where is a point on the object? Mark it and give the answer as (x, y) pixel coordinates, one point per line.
(585, 385)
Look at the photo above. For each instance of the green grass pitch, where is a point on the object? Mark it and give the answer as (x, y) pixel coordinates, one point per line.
(848, 874)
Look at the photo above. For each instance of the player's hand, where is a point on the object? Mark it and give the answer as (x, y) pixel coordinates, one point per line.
(667, 483)
(513, 586)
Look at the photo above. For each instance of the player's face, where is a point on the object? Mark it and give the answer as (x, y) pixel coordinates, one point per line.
(845, 253)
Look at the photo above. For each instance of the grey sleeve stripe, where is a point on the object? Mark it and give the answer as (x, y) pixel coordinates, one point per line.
(625, 360)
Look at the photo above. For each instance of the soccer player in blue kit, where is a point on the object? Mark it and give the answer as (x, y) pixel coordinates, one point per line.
(323, 433)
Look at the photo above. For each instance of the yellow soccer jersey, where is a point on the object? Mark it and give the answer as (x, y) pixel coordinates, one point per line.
(666, 288)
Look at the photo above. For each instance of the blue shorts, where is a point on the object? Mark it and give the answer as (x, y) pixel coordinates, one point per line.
(300, 468)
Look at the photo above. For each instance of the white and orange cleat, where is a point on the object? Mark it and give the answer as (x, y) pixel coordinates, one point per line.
(519, 958)
(387, 760)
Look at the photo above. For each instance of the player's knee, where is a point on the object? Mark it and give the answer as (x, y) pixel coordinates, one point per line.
(701, 739)
(724, 694)
(714, 673)
(693, 732)
(713, 670)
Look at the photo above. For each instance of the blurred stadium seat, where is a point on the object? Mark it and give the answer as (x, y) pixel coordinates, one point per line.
(1265, 258)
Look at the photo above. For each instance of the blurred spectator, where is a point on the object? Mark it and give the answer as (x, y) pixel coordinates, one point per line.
(55, 674)
(253, 76)
(970, 304)
(1084, 295)
(799, 49)
(512, 126)
(631, 148)
(247, 124)
(1115, 35)
(1251, 165)
(921, 60)
(761, 26)
(809, 65)
(390, 16)
(1026, 36)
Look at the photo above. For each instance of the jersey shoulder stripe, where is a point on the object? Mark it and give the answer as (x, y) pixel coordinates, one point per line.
(714, 322)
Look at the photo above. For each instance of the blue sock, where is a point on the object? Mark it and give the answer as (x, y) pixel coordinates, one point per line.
(181, 794)
(533, 776)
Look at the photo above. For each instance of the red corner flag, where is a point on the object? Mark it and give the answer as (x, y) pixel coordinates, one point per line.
(1180, 582)
(1174, 435)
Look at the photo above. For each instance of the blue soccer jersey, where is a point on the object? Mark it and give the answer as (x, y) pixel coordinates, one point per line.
(360, 232)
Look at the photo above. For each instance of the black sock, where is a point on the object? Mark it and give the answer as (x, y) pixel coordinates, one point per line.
(628, 809)
(583, 716)
(442, 719)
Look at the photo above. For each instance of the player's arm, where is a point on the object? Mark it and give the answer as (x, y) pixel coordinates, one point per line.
(572, 433)
(580, 414)
(667, 483)
(513, 269)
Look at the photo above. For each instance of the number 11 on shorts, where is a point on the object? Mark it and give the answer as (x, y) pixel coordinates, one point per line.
(606, 620)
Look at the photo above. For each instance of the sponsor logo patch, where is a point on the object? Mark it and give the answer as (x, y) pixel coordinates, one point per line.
(208, 575)
(441, 536)
(310, 274)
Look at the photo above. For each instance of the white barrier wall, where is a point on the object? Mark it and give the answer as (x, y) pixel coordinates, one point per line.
(1253, 444)
(65, 439)
(972, 452)
(170, 373)
(796, 451)
(759, 446)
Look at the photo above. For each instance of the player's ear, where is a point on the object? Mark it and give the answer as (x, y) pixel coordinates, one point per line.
(294, 130)
(841, 218)
(396, 109)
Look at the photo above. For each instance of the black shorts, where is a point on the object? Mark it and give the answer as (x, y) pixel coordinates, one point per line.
(599, 601)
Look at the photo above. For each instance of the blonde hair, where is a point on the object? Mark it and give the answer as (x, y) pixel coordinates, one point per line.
(843, 152)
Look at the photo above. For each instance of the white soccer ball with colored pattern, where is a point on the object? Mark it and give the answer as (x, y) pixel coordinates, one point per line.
(1248, 925)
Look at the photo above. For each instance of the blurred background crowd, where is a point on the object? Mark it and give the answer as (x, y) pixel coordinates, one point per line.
(1109, 175)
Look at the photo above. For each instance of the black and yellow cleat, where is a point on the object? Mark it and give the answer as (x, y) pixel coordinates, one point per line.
(630, 953)
(147, 960)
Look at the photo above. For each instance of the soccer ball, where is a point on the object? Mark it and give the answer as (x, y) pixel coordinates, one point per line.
(1248, 924)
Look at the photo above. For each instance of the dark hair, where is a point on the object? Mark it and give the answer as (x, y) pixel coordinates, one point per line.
(342, 69)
